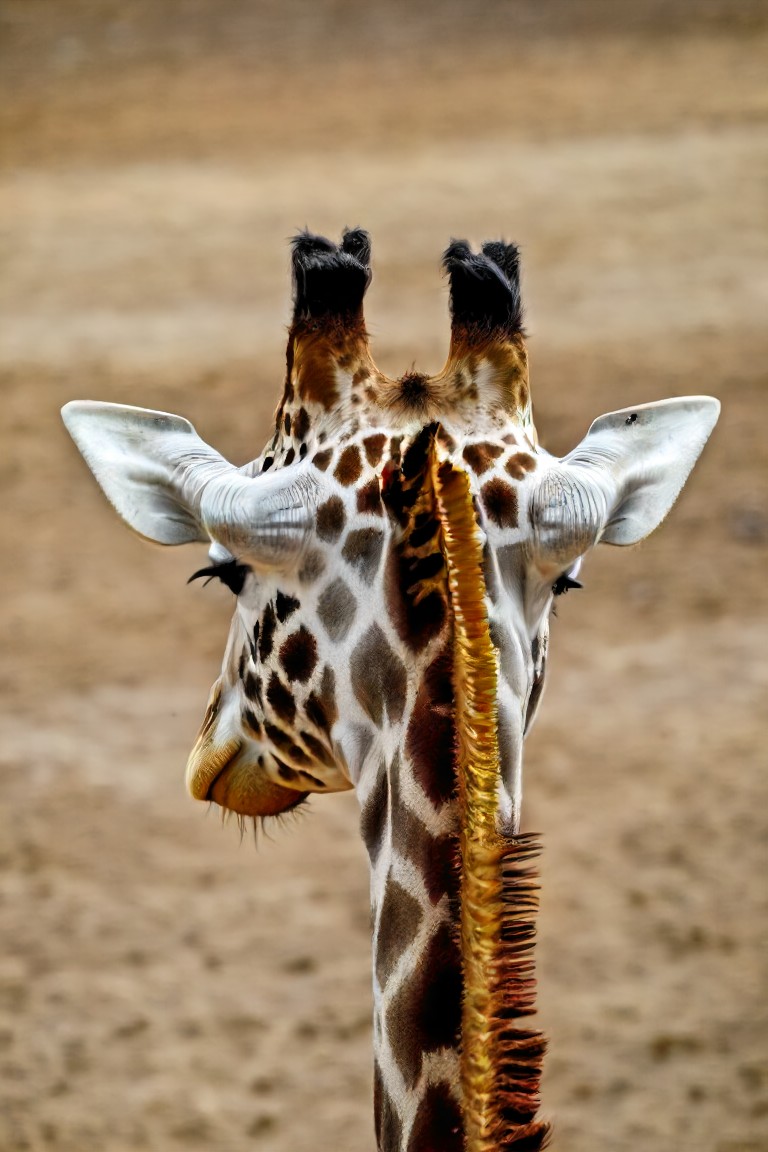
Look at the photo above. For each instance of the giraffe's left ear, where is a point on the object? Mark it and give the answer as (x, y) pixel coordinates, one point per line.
(173, 488)
(623, 478)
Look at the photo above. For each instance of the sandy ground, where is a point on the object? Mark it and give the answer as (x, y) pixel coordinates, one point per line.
(162, 985)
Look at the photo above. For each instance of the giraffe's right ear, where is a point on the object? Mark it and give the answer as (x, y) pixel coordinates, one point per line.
(173, 488)
(621, 481)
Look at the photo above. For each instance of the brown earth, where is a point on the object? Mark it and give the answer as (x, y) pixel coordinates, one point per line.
(163, 986)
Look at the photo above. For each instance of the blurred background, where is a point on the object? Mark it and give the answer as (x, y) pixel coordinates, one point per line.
(163, 986)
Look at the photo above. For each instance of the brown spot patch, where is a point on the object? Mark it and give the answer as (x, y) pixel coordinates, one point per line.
(252, 686)
(298, 655)
(369, 497)
(430, 740)
(301, 424)
(252, 724)
(399, 919)
(500, 503)
(280, 699)
(373, 817)
(362, 550)
(416, 624)
(321, 460)
(336, 608)
(320, 707)
(480, 457)
(360, 375)
(414, 581)
(313, 566)
(374, 446)
(317, 749)
(330, 519)
(285, 606)
(435, 857)
(389, 1129)
(267, 632)
(350, 466)
(425, 1015)
(379, 678)
(519, 465)
(283, 740)
(511, 564)
(438, 1125)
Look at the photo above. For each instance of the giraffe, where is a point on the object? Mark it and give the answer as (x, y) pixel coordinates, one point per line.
(395, 552)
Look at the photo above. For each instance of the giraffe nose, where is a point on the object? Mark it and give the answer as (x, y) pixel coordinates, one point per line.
(210, 756)
(244, 787)
(228, 770)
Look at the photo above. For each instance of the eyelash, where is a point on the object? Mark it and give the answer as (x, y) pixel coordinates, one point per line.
(230, 573)
(564, 583)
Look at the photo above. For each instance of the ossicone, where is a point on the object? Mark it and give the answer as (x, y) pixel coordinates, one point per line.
(485, 288)
(330, 280)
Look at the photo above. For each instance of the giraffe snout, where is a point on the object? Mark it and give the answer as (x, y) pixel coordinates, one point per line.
(230, 771)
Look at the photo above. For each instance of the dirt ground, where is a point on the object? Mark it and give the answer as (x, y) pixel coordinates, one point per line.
(164, 986)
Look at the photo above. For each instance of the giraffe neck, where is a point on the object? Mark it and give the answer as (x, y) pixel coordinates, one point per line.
(451, 894)
(411, 829)
(412, 840)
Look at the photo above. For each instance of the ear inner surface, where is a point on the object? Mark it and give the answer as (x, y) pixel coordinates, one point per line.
(641, 458)
(134, 454)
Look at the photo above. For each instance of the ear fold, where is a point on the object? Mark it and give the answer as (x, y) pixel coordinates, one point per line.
(644, 456)
(141, 459)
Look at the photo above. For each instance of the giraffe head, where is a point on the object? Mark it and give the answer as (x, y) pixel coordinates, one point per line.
(331, 538)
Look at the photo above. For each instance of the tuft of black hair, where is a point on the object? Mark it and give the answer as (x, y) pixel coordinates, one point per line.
(564, 584)
(356, 242)
(229, 572)
(485, 286)
(330, 279)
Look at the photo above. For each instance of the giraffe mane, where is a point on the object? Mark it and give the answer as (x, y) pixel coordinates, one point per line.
(500, 1063)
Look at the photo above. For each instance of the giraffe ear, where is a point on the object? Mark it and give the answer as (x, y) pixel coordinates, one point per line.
(622, 480)
(173, 488)
(135, 456)
(645, 455)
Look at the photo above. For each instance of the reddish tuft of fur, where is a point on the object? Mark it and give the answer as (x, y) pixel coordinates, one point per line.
(518, 1052)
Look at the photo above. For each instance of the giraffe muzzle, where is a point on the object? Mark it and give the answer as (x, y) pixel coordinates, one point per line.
(228, 770)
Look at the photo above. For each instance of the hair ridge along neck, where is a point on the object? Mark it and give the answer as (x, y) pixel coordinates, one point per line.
(500, 1063)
